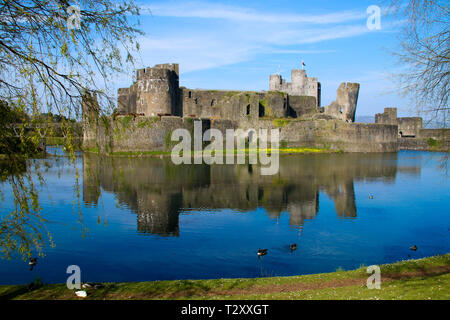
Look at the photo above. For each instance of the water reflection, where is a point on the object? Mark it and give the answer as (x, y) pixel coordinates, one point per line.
(158, 191)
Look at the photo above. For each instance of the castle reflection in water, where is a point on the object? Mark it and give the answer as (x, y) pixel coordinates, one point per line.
(158, 191)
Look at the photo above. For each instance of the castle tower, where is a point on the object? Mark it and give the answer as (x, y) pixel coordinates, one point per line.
(300, 85)
(275, 82)
(344, 107)
(347, 97)
(157, 90)
(90, 112)
(298, 79)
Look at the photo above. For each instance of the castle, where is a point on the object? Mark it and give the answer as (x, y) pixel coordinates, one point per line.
(156, 92)
(155, 105)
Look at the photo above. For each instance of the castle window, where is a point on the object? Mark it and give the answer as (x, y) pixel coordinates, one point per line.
(213, 102)
(190, 94)
(248, 109)
(261, 110)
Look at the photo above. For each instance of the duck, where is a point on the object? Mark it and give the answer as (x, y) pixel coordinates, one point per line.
(293, 246)
(414, 248)
(94, 285)
(262, 252)
(33, 262)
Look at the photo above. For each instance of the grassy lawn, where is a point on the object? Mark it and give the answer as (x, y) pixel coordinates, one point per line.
(423, 279)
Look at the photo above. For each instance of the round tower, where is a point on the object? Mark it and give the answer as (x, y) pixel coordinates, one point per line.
(157, 90)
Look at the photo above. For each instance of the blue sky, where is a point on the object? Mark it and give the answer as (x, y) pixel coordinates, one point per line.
(236, 45)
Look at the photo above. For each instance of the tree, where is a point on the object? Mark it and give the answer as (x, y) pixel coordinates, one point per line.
(51, 53)
(425, 55)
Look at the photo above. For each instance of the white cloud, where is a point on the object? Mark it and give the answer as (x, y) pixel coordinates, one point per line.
(223, 35)
(206, 10)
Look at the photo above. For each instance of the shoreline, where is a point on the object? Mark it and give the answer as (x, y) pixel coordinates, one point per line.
(156, 153)
(425, 278)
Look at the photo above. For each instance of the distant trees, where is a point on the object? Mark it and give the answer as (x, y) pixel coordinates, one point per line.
(424, 55)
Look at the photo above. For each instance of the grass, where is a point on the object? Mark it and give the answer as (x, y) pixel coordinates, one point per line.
(423, 279)
(287, 151)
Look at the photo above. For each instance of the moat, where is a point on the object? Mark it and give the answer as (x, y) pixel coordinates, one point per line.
(143, 218)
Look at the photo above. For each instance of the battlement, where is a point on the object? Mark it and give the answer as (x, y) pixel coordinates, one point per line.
(300, 85)
(162, 71)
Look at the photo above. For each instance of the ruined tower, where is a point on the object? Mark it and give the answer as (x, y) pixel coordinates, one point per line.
(155, 92)
(344, 107)
(90, 112)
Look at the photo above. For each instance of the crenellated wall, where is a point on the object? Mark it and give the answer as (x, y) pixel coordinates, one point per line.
(411, 135)
(300, 85)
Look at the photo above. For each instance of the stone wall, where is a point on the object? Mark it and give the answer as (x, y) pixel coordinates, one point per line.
(437, 134)
(244, 106)
(218, 104)
(389, 116)
(409, 126)
(138, 134)
(411, 135)
(329, 134)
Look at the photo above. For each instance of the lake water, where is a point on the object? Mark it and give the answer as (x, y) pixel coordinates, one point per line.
(147, 219)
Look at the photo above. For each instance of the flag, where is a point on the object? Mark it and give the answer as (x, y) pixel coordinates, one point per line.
(303, 63)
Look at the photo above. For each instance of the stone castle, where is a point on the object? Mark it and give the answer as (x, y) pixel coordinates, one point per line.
(155, 105)
(156, 92)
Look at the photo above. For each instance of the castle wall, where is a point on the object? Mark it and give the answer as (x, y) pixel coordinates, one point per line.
(411, 135)
(409, 127)
(300, 106)
(389, 116)
(232, 105)
(330, 134)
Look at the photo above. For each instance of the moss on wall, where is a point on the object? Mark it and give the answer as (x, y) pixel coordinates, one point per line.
(280, 123)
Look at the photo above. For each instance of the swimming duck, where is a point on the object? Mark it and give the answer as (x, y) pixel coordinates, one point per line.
(414, 248)
(262, 252)
(293, 246)
(32, 263)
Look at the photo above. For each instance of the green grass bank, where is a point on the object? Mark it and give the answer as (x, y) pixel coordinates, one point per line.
(423, 279)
